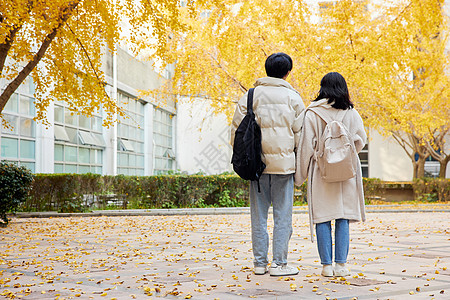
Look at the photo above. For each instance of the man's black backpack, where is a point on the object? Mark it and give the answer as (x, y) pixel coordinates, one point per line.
(246, 158)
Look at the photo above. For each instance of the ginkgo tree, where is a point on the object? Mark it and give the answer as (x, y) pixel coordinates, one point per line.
(60, 44)
(409, 85)
(391, 53)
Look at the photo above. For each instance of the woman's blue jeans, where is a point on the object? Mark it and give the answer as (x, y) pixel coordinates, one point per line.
(341, 240)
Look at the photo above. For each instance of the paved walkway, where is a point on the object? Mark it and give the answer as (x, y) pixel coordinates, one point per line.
(392, 256)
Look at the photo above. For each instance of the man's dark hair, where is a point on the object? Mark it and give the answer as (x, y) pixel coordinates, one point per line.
(334, 88)
(278, 65)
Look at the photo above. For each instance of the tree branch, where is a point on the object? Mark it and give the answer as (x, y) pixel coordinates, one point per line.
(100, 82)
(401, 141)
(243, 88)
(396, 18)
(13, 85)
(6, 46)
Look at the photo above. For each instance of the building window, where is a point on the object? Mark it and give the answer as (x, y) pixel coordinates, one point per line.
(364, 158)
(162, 139)
(79, 142)
(18, 132)
(432, 167)
(130, 133)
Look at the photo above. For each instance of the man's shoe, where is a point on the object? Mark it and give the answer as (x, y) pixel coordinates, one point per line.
(327, 270)
(341, 270)
(261, 270)
(283, 270)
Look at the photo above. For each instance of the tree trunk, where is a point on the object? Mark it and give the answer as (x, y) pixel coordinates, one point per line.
(443, 167)
(419, 167)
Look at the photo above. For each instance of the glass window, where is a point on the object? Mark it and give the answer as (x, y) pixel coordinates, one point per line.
(97, 124)
(130, 136)
(29, 165)
(132, 161)
(27, 127)
(13, 104)
(26, 106)
(132, 105)
(84, 169)
(12, 126)
(25, 86)
(72, 134)
(69, 117)
(70, 169)
(61, 134)
(83, 155)
(78, 138)
(140, 135)
(59, 114)
(87, 138)
(59, 168)
(140, 161)
(123, 159)
(100, 141)
(18, 114)
(84, 122)
(162, 137)
(127, 145)
(70, 153)
(99, 157)
(10, 147)
(132, 133)
(27, 149)
(59, 153)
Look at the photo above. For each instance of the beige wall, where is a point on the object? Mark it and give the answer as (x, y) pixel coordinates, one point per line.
(387, 159)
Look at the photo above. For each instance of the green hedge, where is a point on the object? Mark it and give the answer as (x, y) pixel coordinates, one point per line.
(82, 192)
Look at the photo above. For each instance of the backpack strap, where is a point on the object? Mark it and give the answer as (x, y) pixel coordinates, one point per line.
(324, 115)
(250, 112)
(250, 101)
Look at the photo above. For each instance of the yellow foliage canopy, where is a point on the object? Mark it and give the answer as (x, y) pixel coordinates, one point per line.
(61, 42)
(392, 56)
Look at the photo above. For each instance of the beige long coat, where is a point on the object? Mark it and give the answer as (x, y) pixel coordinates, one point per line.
(277, 107)
(329, 200)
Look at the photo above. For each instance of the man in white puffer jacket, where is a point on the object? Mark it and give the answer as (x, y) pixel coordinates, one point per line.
(277, 107)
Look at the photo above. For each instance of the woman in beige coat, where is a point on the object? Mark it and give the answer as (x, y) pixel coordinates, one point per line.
(340, 201)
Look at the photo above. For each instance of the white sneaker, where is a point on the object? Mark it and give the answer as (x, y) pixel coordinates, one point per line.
(283, 270)
(341, 270)
(327, 270)
(261, 270)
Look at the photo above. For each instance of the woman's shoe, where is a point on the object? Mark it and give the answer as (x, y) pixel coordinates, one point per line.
(327, 271)
(341, 270)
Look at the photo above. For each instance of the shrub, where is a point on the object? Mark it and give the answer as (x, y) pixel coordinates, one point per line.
(432, 189)
(81, 192)
(15, 183)
(63, 192)
(373, 189)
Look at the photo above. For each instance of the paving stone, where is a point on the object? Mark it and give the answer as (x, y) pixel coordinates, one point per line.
(392, 256)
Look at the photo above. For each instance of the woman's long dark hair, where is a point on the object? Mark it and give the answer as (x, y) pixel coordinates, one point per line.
(334, 88)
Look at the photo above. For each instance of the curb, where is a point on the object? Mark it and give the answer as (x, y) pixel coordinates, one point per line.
(223, 211)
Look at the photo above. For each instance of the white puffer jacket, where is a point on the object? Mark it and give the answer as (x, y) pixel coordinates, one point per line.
(277, 107)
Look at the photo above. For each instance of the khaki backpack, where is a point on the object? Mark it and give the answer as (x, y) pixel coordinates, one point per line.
(335, 153)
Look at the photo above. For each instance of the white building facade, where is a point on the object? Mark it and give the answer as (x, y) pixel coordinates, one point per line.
(142, 143)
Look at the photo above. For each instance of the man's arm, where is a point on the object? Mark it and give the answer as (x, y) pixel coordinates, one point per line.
(299, 107)
(239, 114)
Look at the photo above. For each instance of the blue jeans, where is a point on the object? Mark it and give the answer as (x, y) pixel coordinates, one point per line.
(278, 190)
(324, 242)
